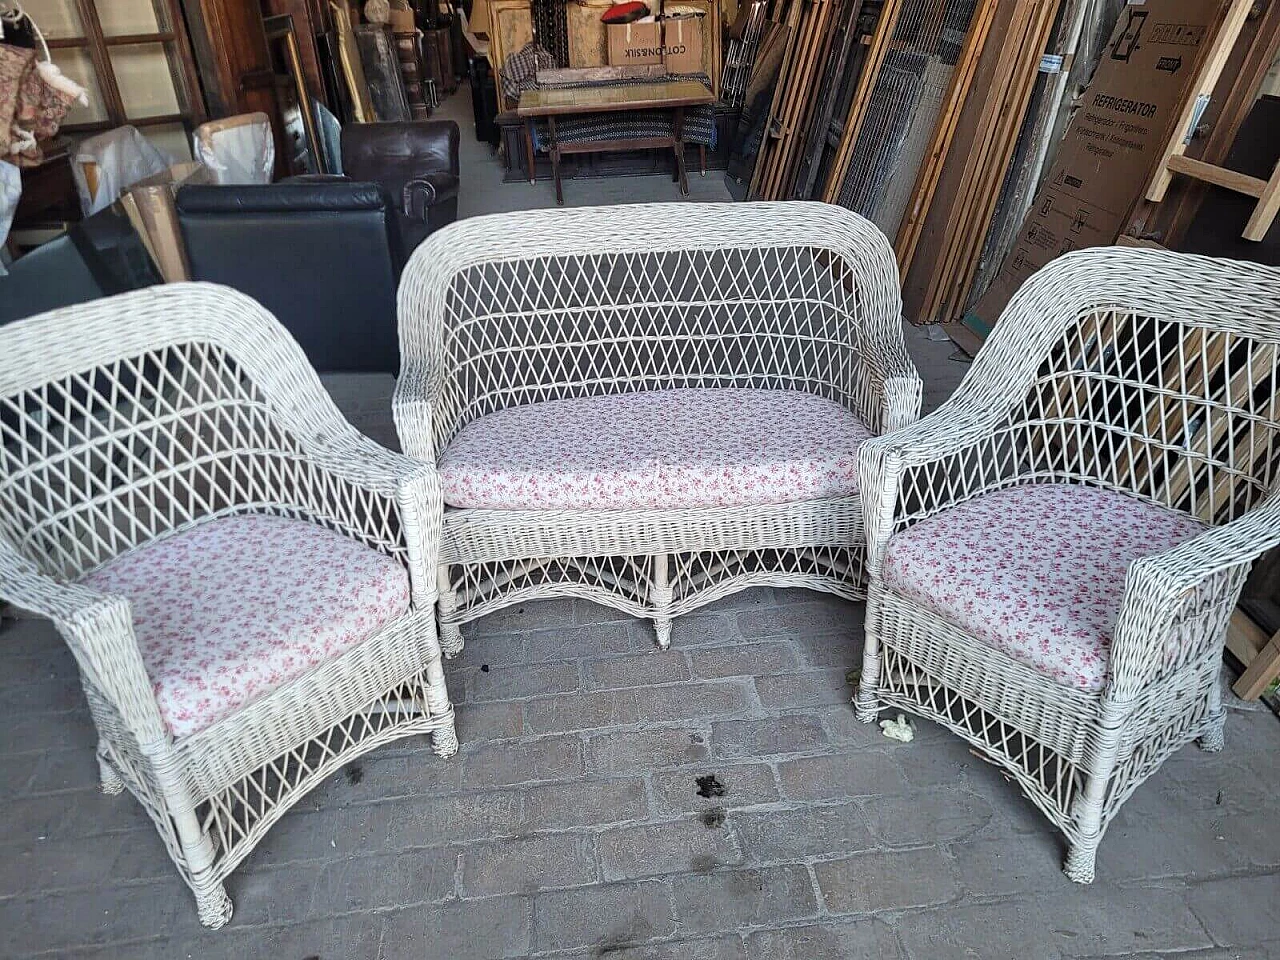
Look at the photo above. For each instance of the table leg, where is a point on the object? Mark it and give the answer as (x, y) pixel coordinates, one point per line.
(528, 148)
(677, 134)
(555, 160)
(702, 157)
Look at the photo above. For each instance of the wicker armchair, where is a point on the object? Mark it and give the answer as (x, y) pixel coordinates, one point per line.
(643, 335)
(171, 468)
(1055, 552)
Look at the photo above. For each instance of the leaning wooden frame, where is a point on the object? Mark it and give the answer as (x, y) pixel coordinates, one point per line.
(501, 311)
(1148, 373)
(134, 418)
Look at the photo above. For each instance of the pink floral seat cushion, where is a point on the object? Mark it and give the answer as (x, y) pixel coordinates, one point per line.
(233, 609)
(654, 450)
(1035, 571)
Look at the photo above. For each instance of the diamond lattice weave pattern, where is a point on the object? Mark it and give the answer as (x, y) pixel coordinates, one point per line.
(1036, 571)
(662, 449)
(233, 609)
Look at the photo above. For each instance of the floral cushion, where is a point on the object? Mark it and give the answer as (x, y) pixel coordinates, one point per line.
(236, 607)
(656, 449)
(1035, 571)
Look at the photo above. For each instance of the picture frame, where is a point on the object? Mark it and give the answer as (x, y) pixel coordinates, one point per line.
(382, 72)
(301, 135)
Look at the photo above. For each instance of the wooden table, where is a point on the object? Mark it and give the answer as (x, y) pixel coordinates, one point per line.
(673, 95)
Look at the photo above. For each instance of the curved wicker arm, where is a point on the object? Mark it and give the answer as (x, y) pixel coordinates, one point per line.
(99, 630)
(1176, 600)
(408, 489)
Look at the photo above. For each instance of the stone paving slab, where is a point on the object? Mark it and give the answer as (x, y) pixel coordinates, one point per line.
(568, 830)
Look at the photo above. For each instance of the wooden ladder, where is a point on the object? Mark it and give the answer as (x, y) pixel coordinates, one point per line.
(1174, 161)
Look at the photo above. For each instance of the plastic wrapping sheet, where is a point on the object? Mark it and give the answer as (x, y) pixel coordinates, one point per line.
(10, 192)
(238, 149)
(120, 157)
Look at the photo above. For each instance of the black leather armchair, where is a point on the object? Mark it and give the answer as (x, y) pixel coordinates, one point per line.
(416, 162)
(323, 256)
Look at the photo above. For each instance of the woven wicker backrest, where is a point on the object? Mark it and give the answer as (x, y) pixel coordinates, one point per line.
(126, 418)
(1145, 371)
(502, 311)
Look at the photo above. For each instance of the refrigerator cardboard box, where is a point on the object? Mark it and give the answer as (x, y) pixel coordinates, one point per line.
(1111, 146)
(676, 43)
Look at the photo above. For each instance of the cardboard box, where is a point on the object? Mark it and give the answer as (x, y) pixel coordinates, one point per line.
(632, 44)
(675, 43)
(682, 44)
(1112, 144)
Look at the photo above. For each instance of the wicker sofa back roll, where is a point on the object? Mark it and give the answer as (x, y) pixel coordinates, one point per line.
(650, 406)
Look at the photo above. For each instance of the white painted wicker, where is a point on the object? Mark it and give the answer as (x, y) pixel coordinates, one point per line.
(513, 309)
(134, 417)
(1150, 373)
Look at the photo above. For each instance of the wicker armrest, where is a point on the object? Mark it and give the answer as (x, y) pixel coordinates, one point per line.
(1204, 573)
(99, 630)
(410, 490)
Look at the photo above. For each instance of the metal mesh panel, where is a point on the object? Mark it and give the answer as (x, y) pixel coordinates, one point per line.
(903, 108)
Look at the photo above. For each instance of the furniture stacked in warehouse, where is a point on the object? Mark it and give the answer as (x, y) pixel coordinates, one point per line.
(519, 58)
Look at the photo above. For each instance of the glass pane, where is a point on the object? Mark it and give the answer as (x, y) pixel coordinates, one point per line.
(172, 138)
(146, 85)
(75, 63)
(58, 19)
(121, 18)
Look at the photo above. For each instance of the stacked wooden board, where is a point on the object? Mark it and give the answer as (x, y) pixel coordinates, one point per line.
(810, 34)
(938, 286)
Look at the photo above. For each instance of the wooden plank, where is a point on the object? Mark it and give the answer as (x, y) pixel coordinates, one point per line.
(802, 103)
(1264, 214)
(998, 159)
(926, 184)
(790, 23)
(943, 211)
(872, 64)
(837, 62)
(1124, 240)
(1220, 176)
(997, 134)
(656, 96)
(1259, 652)
(1211, 66)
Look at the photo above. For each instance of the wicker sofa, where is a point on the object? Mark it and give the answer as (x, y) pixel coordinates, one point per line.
(649, 406)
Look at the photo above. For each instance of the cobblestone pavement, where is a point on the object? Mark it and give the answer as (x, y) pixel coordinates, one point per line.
(578, 820)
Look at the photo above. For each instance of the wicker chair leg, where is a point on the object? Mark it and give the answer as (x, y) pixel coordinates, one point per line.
(1081, 859)
(214, 907)
(444, 740)
(112, 782)
(661, 597)
(1211, 738)
(446, 609)
(866, 702)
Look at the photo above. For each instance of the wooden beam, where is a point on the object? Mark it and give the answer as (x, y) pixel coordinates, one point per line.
(1220, 176)
(1211, 67)
(1258, 651)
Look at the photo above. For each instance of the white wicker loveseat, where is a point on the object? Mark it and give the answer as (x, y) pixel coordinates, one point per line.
(1056, 551)
(649, 406)
(246, 582)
